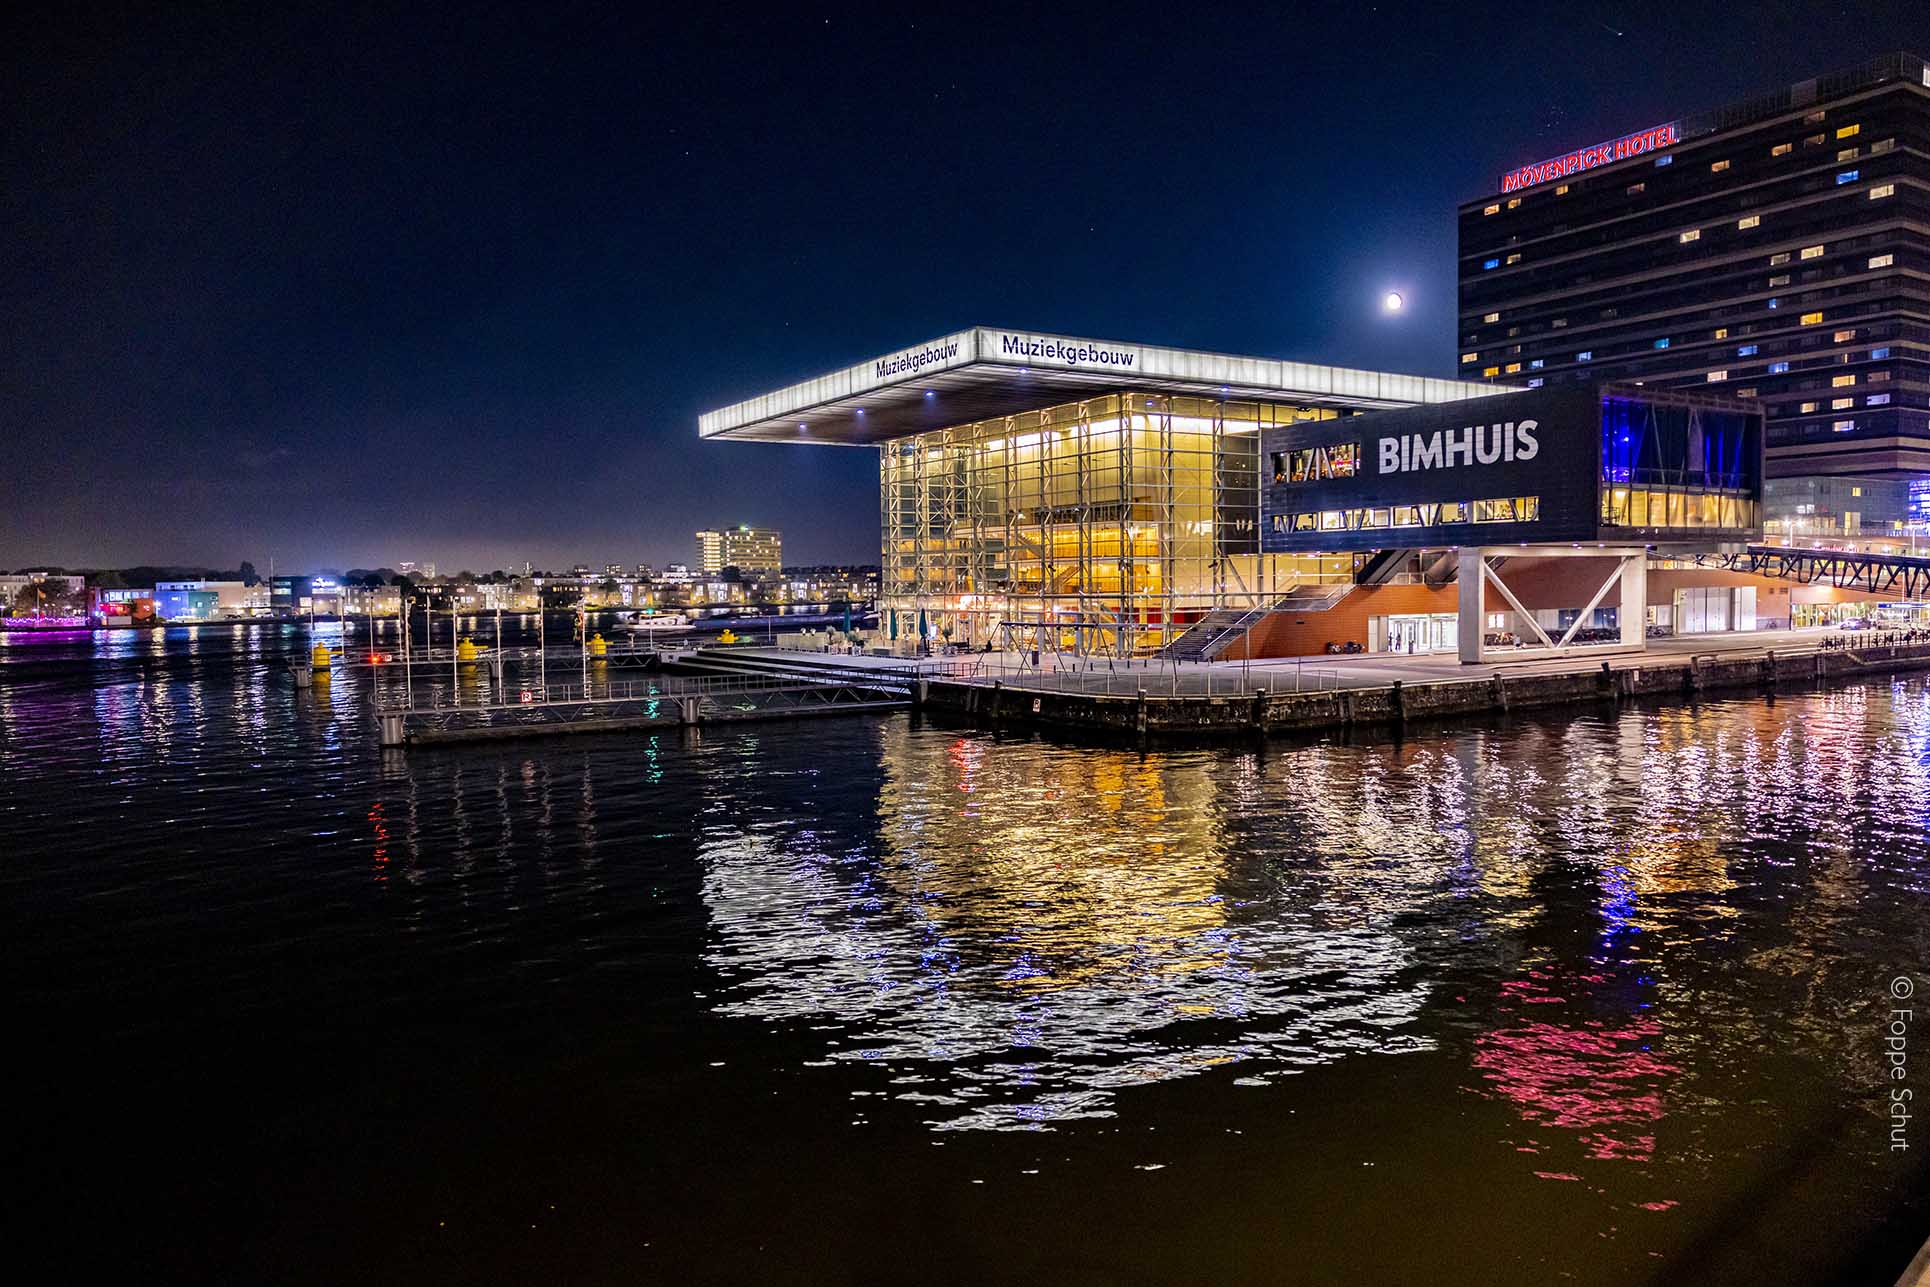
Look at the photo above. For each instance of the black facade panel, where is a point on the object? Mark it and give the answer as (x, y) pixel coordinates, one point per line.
(1544, 443)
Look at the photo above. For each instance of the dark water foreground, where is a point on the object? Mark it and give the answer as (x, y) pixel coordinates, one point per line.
(1587, 1000)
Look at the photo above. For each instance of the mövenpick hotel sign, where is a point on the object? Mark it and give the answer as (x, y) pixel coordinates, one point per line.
(1641, 142)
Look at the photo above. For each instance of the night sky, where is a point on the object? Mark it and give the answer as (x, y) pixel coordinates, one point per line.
(345, 288)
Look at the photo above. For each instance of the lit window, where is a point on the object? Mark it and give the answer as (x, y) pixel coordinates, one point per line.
(1774, 302)
(1562, 191)
(1848, 176)
(1634, 188)
(1814, 140)
(1843, 337)
(1881, 146)
(1849, 131)
(1841, 404)
(1722, 333)
(1537, 364)
(1515, 258)
(1780, 280)
(1491, 263)
(1513, 202)
(1806, 408)
(1745, 350)
(1493, 209)
(1694, 234)
(1778, 368)
(1662, 343)
(1843, 426)
(1781, 149)
(1847, 154)
(1781, 257)
(1812, 252)
(1855, 492)
(1877, 355)
(1813, 117)
(1490, 317)
(1811, 319)
(1586, 355)
(1748, 222)
(1513, 367)
(1717, 377)
(1490, 370)
(1717, 167)
(1661, 161)
(1882, 261)
(1469, 357)
(1535, 383)
(1842, 381)
(1558, 323)
(1882, 190)
(1877, 400)
(1749, 392)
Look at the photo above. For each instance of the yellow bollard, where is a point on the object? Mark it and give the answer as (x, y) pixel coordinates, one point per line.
(319, 657)
(466, 650)
(599, 647)
(728, 637)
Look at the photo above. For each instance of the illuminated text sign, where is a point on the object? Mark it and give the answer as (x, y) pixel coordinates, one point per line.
(1447, 448)
(1652, 139)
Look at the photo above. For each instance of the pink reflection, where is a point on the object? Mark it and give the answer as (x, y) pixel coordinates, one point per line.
(1592, 1076)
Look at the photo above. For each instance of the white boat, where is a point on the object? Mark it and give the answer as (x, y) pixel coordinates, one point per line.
(660, 622)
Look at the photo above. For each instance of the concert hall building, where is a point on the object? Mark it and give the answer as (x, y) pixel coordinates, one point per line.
(1041, 491)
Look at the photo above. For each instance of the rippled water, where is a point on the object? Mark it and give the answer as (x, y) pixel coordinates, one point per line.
(1595, 998)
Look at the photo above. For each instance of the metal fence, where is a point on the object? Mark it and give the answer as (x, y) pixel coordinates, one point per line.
(1128, 679)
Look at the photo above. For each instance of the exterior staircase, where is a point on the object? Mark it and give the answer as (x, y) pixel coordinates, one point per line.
(1209, 637)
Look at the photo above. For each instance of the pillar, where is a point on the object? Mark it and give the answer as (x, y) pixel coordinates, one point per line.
(1470, 625)
(1634, 612)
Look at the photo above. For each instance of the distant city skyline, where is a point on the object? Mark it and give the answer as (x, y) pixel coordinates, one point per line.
(282, 296)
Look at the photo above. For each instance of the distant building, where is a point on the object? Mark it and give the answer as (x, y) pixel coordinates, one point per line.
(748, 549)
(200, 600)
(418, 571)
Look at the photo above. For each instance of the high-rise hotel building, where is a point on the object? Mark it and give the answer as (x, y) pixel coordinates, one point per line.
(1777, 248)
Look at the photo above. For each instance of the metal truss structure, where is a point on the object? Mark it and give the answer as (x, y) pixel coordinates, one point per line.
(1903, 575)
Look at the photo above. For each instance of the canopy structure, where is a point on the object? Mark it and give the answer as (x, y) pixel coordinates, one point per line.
(984, 372)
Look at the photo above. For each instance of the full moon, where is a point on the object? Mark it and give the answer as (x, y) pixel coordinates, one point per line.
(1392, 301)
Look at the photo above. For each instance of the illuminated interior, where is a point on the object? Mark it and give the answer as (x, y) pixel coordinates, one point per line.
(1104, 526)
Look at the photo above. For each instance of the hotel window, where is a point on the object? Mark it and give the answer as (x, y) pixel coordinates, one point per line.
(1537, 364)
(1661, 161)
(1781, 279)
(1634, 188)
(1814, 140)
(1811, 319)
(1717, 377)
(1881, 146)
(1813, 117)
(1848, 176)
(1562, 191)
(1849, 131)
(1717, 167)
(1490, 263)
(1847, 154)
(1749, 392)
(1721, 333)
(1513, 202)
(1842, 337)
(1778, 368)
(1877, 400)
(1781, 257)
(1694, 234)
(1662, 343)
(1515, 258)
(1513, 367)
(1751, 221)
(1535, 383)
(1805, 408)
(1812, 252)
(1877, 355)
(1558, 324)
(1855, 492)
(1745, 350)
(1493, 209)
(1882, 190)
(1586, 355)
(1782, 149)
(1841, 404)
(1842, 426)
(1490, 370)
(1773, 302)
(1469, 357)
(1881, 261)
(1878, 377)
(1842, 382)
(1491, 317)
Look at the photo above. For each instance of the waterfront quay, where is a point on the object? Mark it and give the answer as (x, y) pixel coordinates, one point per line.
(1314, 693)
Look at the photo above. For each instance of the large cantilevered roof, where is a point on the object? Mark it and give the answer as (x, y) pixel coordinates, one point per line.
(983, 372)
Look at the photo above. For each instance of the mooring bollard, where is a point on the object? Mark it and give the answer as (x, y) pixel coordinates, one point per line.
(1400, 703)
(390, 723)
(1139, 713)
(1769, 669)
(1498, 690)
(686, 710)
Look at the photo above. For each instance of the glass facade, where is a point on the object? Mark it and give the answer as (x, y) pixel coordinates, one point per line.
(1105, 526)
(1679, 465)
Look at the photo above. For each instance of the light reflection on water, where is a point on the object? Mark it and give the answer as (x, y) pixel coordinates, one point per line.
(1599, 951)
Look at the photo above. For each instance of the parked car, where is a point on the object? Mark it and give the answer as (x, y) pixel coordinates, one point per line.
(1854, 623)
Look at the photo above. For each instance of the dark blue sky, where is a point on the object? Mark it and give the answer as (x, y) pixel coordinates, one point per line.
(344, 287)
